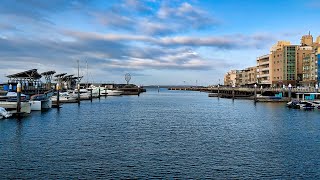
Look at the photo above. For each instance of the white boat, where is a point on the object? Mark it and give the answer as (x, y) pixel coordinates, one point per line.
(40, 102)
(64, 97)
(110, 92)
(4, 113)
(84, 94)
(95, 91)
(9, 103)
(12, 106)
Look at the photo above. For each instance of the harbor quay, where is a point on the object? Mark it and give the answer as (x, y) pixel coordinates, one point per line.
(25, 92)
(255, 93)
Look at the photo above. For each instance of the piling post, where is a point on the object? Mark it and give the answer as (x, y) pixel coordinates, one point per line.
(255, 92)
(105, 91)
(18, 97)
(233, 92)
(99, 92)
(58, 94)
(158, 89)
(78, 87)
(289, 91)
(218, 91)
(91, 95)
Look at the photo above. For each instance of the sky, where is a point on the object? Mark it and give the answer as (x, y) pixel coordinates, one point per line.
(158, 42)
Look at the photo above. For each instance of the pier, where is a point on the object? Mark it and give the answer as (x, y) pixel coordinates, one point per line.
(257, 94)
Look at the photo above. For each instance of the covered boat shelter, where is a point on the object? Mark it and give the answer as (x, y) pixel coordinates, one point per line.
(30, 81)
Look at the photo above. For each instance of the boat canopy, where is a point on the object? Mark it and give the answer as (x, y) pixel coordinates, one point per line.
(31, 74)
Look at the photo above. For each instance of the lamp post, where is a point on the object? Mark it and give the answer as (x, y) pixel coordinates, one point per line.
(255, 92)
(289, 91)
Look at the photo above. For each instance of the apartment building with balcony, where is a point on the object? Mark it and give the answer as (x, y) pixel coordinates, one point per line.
(277, 63)
(310, 71)
(286, 64)
(302, 52)
(263, 70)
(230, 78)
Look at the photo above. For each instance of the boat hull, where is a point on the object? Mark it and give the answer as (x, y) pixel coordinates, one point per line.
(25, 106)
(41, 105)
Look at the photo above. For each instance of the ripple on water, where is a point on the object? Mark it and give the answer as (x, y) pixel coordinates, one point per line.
(171, 134)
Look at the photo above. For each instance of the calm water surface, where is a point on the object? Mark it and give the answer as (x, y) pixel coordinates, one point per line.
(171, 134)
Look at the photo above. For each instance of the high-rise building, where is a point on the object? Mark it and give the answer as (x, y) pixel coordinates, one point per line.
(306, 40)
(263, 70)
(310, 68)
(318, 68)
(286, 61)
(276, 63)
(302, 52)
(286, 64)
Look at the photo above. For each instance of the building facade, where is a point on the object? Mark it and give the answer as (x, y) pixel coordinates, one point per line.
(277, 63)
(263, 70)
(286, 64)
(230, 78)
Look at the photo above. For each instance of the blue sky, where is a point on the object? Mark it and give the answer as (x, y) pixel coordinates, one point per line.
(162, 42)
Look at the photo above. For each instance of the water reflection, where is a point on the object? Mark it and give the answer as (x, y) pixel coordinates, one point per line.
(165, 135)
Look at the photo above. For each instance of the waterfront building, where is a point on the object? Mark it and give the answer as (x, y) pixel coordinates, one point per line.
(318, 68)
(310, 68)
(286, 64)
(231, 77)
(263, 70)
(302, 52)
(276, 63)
(248, 76)
(306, 40)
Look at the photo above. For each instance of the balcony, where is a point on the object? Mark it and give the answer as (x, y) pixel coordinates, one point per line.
(265, 69)
(263, 75)
(265, 82)
(263, 57)
(263, 63)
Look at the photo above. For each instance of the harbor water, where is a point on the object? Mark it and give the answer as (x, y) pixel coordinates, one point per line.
(170, 134)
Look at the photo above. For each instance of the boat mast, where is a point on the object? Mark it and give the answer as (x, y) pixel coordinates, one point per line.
(87, 74)
(78, 72)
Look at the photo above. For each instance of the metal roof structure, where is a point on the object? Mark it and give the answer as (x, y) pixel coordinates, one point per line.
(30, 74)
(48, 73)
(60, 75)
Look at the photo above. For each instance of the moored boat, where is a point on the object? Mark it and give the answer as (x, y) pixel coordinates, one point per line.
(40, 102)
